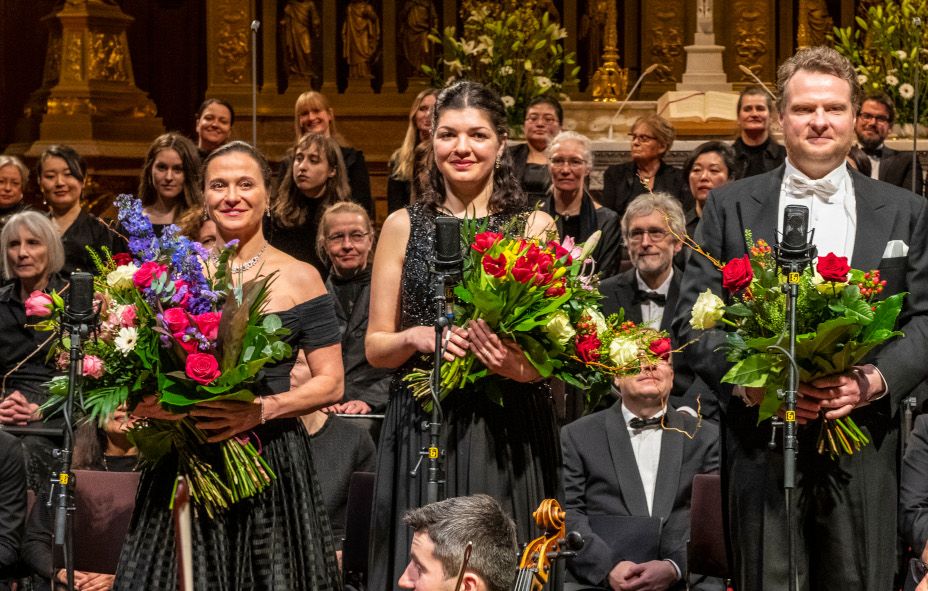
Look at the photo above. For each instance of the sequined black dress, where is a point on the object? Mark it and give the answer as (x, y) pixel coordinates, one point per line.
(510, 452)
(279, 539)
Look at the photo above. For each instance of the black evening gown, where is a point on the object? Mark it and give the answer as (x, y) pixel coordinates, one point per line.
(278, 539)
(88, 230)
(510, 452)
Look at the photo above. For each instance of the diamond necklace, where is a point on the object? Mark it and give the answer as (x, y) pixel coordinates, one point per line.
(250, 262)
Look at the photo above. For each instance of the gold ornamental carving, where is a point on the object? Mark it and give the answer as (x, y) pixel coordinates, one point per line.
(53, 60)
(610, 82)
(750, 39)
(108, 57)
(814, 23)
(233, 45)
(667, 41)
(73, 55)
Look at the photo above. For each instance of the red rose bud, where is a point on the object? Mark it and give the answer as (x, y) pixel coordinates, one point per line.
(523, 271)
(208, 324)
(39, 304)
(147, 272)
(175, 320)
(737, 274)
(202, 368)
(588, 348)
(495, 266)
(122, 258)
(485, 240)
(833, 268)
(661, 347)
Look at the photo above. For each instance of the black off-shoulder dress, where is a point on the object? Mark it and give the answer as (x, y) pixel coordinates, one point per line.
(278, 539)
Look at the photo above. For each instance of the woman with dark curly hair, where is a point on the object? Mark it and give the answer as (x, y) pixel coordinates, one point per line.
(316, 179)
(507, 450)
(169, 186)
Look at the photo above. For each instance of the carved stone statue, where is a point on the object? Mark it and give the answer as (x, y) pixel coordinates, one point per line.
(592, 27)
(299, 25)
(704, 16)
(360, 37)
(417, 19)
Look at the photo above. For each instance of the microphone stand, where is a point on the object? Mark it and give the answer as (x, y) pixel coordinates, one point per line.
(443, 320)
(62, 491)
(916, 169)
(255, 25)
(792, 268)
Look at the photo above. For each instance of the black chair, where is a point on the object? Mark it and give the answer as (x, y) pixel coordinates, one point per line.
(357, 529)
(705, 550)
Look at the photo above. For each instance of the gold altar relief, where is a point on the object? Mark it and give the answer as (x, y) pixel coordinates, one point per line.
(667, 41)
(73, 56)
(417, 19)
(298, 27)
(750, 37)
(52, 59)
(814, 23)
(70, 106)
(108, 57)
(233, 44)
(360, 38)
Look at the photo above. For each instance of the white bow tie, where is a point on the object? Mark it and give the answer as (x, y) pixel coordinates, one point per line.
(821, 188)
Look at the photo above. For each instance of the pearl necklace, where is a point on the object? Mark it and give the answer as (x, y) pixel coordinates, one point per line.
(250, 262)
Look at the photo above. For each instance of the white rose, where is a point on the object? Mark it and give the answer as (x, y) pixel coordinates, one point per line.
(708, 309)
(597, 318)
(126, 339)
(623, 352)
(121, 278)
(559, 328)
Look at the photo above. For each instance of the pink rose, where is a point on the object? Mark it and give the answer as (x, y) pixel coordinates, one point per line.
(208, 324)
(202, 368)
(93, 367)
(39, 304)
(147, 273)
(176, 320)
(127, 318)
(189, 345)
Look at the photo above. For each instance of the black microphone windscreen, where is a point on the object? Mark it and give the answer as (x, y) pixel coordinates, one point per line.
(80, 299)
(448, 243)
(795, 227)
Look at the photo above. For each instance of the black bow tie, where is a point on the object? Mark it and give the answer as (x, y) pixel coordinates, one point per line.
(874, 153)
(643, 296)
(639, 423)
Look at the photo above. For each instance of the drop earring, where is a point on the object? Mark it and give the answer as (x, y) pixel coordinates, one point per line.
(498, 161)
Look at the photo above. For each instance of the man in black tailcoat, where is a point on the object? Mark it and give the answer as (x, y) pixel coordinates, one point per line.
(845, 507)
(874, 121)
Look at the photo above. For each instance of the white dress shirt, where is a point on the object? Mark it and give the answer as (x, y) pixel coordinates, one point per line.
(646, 443)
(651, 313)
(834, 218)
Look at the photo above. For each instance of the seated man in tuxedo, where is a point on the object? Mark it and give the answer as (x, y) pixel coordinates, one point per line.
(442, 531)
(628, 474)
(651, 227)
(874, 121)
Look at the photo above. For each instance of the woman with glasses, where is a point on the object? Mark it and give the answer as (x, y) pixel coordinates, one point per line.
(570, 160)
(316, 179)
(651, 138)
(543, 119)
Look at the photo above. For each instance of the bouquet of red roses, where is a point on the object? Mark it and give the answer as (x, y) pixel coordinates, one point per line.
(840, 319)
(544, 295)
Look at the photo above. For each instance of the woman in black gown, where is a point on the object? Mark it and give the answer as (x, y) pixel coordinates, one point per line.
(510, 452)
(280, 538)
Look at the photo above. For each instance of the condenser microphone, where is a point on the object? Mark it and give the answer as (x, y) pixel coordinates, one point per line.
(448, 259)
(796, 244)
(80, 298)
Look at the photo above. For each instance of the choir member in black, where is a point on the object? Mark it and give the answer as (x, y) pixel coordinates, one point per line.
(651, 138)
(345, 241)
(316, 179)
(62, 173)
(755, 151)
(12, 506)
(313, 113)
(543, 119)
(169, 186)
(710, 165)
(215, 119)
(13, 178)
(403, 169)
(105, 448)
(570, 158)
(33, 255)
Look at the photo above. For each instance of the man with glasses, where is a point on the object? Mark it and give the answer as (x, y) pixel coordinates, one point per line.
(874, 122)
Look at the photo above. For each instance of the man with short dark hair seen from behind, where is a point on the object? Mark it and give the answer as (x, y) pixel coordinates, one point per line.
(874, 122)
(442, 531)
